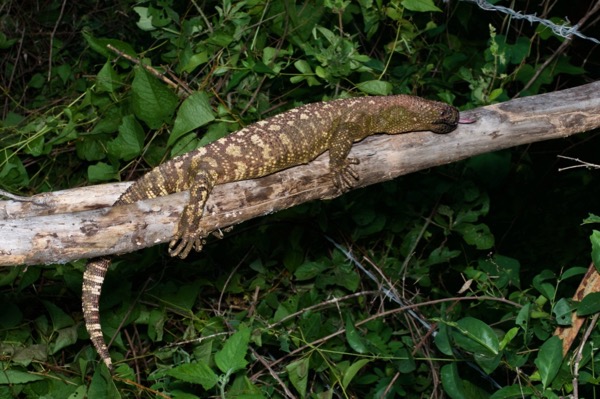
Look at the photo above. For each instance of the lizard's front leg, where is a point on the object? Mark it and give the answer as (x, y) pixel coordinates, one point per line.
(188, 233)
(340, 165)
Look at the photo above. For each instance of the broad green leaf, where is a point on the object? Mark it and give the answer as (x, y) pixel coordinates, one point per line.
(153, 102)
(79, 393)
(298, 374)
(442, 339)
(487, 361)
(452, 383)
(194, 112)
(66, 337)
(505, 270)
(549, 359)
(508, 337)
(11, 377)
(562, 312)
(232, 357)
(194, 61)
(99, 45)
(375, 87)
(107, 79)
(573, 272)
(478, 235)
(353, 337)
(309, 270)
(591, 219)
(475, 336)
(546, 289)
(59, 318)
(130, 141)
(145, 20)
(595, 239)
(12, 170)
(516, 391)
(102, 172)
(420, 5)
(351, 371)
(195, 373)
(241, 388)
(103, 385)
(590, 304)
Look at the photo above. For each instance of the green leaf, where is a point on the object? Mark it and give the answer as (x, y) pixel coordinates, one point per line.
(194, 112)
(232, 357)
(475, 336)
(102, 172)
(549, 359)
(99, 45)
(508, 337)
(351, 371)
(375, 87)
(591, 219)
(590, 304)
(595, 239)
(145, 20)
(103, 385)
(11, 377)
(420, 5)
(452, 383)
(298, 374)
(59, 318)
(478, 235)
(130, 141)
(573, 272)
(64, 338)
(194, 61)
(516, 391)
(522, 319)
(107, 79)
(195, 373)
(309, 270)
(353, 337)
(442, 339)
(12, 170)
(562, 312)
(152, 101)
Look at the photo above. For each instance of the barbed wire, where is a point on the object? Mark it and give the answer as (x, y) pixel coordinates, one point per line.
(565, 30)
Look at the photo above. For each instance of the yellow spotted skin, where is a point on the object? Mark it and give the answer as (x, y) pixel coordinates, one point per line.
(292, 138)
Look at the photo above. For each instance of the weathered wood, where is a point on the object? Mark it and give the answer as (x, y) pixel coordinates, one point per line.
(80, 223)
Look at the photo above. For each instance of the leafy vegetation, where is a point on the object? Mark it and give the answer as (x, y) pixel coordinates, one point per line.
(445, 283)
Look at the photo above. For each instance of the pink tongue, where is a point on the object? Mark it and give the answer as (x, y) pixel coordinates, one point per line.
(467, 120)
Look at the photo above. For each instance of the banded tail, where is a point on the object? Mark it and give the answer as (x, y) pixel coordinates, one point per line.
(93, 277)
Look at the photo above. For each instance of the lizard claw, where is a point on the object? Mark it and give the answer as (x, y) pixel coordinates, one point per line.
(345, 177)
(182, 246)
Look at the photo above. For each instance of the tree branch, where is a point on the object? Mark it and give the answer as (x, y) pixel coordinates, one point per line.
(80, 223)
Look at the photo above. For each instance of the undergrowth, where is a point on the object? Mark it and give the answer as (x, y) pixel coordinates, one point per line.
(445, 283)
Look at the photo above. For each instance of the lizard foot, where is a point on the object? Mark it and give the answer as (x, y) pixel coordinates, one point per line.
(182, 246)
(188, 235)
(345, 176)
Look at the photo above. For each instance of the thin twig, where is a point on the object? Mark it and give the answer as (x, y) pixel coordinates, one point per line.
(583, 164)
(182, 91)
(386, 313)
(60, 15)
(287, 391)
(558, 51)
(579, 354)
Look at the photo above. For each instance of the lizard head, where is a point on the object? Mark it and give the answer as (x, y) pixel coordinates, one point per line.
(403, 113)
(442, 118)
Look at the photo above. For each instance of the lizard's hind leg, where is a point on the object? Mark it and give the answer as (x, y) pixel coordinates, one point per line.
(188, 234)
